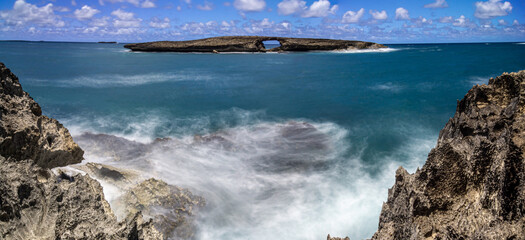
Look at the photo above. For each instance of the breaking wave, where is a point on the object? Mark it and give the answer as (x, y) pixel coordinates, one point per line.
(291, 179)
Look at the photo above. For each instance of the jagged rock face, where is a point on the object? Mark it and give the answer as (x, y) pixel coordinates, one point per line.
(27, 134)
(473, 183)
(172, 208)
(35, 203)
(250, 44)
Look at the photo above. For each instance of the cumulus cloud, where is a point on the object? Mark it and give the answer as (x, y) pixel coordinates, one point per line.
(249, 5)
(289, 7)
(24, 13)
(462, 21)
(321, 8)
(125, 19)
(502, 22)
(446, 19)
(147, 4)
(379, 15)
(437, 4)
(402, 14)
(90, 30)
(353, 17)
(85, 13)
(207, 6)
(492, 8)
(515, 23)
(158, 23)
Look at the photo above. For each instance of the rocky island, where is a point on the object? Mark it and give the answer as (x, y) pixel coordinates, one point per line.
(251, 44)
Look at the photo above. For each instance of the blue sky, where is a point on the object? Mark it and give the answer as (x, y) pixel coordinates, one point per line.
(384, 21)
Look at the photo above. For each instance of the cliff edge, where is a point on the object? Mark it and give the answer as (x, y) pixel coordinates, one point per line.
(36, 203)
(472, 185)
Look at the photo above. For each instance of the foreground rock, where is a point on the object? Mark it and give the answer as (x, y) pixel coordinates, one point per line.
(35, 203)
(473, 183)
(172, 208)
(27, 134)
(251, 44)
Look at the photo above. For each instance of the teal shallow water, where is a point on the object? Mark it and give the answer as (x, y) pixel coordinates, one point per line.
(376, 111)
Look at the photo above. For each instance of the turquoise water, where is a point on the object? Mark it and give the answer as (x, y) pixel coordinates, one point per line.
(316, 136)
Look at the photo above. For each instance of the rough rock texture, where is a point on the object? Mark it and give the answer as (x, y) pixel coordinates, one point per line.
(172, 208)
(473, 183)
(27, 134)
(336, 238)
(35, 203)
(250, 44)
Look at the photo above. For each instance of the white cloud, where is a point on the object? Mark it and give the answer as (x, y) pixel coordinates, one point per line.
(73, 3)
(502, 22)
(462, 21)
(446, 19)
(125, 19)
(320, 8)
(90, 30)
(23, 13)
(99, 22)
(289, 7)
(515, 23)
(147, 4)
(207, 6)
(157, 23)
(85, 13)
(437, 4)
(61, 9)
(379, 15)
(249, 5)
(179, 8)
(353, 17)
(492, 8)
(402, 14)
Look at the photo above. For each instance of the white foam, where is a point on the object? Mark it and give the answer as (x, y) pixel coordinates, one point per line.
(251, 191)
(521, 43)
(116, 80)
(378, 50)
(388, 86)
(477, 80)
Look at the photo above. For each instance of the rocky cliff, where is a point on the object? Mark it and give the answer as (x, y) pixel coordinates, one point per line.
(472, 185)
(250, 44)
(35, 203)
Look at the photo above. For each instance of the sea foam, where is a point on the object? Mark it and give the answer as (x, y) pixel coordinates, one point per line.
(292, 179)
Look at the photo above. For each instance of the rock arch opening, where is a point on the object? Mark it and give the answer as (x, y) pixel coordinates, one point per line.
(270, 44)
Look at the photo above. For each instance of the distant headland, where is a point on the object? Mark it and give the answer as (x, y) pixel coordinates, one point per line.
(251, 44)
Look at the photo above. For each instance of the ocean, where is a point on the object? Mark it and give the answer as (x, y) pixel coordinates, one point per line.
(281, 145)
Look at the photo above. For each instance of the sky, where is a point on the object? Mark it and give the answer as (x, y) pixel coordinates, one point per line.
(383, 21)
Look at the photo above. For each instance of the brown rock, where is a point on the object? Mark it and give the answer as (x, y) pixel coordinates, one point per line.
(27, 134)
(473, 183)
(250, 44)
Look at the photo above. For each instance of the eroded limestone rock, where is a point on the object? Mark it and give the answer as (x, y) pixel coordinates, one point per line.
(473, 183)
(27, 134)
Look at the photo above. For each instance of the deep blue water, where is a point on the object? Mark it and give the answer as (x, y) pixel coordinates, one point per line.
(376, 111)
